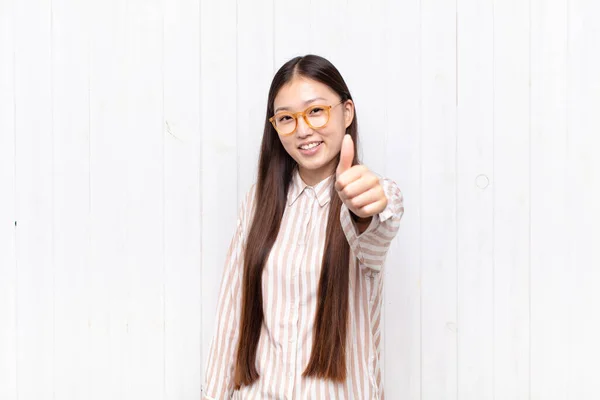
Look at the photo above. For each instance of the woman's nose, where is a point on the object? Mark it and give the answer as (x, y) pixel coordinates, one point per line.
(302, 128)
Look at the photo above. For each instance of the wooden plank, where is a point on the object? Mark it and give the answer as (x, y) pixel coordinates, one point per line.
(367, 38)
(144, 356)
(583, 197)
(254, 74)
(182, 197)
(550, 281)
(402, 293)
(34, 201)
(8, 265)
(219, 151)
(511, 200)
(291, 27)
(108, 278)
(475, 201)
(71, 212)
(328, 35)
(438, 185)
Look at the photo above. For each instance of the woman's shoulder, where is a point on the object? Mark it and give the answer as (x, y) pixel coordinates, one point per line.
(248, 203)
(250, 196)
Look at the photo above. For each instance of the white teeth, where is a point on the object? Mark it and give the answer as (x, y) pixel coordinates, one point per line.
(310, 146)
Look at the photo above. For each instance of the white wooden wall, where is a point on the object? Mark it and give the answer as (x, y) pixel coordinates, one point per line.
(129, 132)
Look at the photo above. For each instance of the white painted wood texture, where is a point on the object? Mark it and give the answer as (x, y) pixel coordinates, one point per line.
(511, 206)
(130, 130)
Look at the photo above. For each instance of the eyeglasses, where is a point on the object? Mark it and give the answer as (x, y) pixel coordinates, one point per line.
(316, 116)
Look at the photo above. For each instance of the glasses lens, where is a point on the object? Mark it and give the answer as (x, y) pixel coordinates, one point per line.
(317, 116)
(285, 123)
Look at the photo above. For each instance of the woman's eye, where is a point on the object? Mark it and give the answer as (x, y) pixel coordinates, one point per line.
(284, 118)
(316, 110)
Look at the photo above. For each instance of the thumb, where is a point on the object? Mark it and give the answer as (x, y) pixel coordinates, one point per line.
(346, 155)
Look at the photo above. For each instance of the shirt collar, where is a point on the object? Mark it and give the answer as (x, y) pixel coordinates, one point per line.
(322, 189)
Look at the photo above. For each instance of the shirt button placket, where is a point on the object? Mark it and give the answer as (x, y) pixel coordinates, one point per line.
(293, 340)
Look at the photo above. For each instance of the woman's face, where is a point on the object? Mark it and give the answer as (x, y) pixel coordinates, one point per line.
(319, 162)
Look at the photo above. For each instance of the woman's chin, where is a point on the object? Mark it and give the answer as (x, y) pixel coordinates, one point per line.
(311, 165)
(315, 165)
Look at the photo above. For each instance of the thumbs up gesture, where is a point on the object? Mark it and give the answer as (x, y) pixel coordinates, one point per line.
(358, 187)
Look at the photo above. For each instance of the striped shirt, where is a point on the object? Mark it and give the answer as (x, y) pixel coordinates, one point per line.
(289, 286)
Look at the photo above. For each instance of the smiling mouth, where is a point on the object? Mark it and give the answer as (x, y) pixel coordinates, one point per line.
(310, 146)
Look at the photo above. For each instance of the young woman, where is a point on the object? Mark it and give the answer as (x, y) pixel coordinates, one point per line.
(300, 302)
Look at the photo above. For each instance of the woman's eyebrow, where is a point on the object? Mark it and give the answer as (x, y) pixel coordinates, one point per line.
(307, 102)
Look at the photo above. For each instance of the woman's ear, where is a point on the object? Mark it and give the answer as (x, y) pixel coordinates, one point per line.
(348, 112)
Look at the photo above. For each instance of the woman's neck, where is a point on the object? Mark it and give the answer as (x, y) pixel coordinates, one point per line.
(314, 177)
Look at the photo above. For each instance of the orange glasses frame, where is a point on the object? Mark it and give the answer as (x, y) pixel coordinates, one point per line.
(303, 114)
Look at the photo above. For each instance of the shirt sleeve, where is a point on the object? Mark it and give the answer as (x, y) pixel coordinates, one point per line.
(221, 360)
(372, 245)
